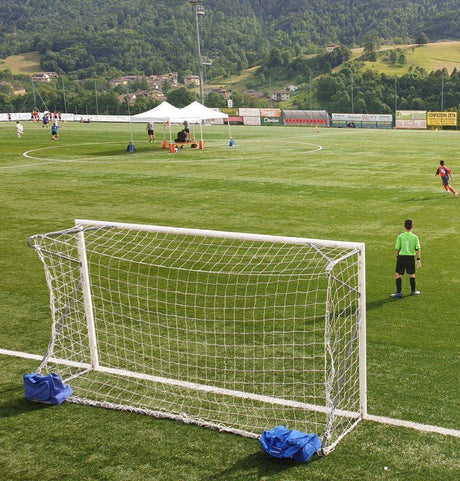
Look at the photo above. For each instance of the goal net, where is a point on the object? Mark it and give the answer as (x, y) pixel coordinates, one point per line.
(238, 332)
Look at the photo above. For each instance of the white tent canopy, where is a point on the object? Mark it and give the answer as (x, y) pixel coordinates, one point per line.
(161, 113)
(196, 112)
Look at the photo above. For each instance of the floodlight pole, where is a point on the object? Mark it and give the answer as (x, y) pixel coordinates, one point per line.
(95, 94)
(352, 96)
(63, 94)
(199, 10)
(442, 90)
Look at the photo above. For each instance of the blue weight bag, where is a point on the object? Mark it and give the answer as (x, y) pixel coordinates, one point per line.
(48, 389)
(281, 442)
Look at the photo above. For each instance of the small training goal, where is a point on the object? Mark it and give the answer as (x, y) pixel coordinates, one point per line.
(238, 332)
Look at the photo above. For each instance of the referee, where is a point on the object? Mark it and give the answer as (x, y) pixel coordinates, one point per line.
(407, 248)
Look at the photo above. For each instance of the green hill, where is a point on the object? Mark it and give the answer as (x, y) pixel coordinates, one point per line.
(95, 38)
(429, 57)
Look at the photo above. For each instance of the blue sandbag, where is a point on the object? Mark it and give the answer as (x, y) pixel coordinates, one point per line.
(48, 389)
(281, 442)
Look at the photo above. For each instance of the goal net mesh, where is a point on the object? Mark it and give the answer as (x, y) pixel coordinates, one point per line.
(236, 332)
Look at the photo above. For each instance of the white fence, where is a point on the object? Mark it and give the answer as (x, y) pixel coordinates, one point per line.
(4, 117)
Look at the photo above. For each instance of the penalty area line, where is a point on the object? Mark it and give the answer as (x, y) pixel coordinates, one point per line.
(369, 417)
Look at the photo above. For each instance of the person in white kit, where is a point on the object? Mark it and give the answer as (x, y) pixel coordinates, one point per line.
(19, 129)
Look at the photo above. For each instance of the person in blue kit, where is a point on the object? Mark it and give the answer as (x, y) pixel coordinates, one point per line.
(408, 257)
(54, 130)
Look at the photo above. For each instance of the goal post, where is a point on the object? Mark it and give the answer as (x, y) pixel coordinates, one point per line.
(234, 331)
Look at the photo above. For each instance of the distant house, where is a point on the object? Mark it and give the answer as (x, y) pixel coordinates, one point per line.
(156, 95)
(19, 91)
(331, 47)
(226, 93)
(291, 87)
(11, 89)
(126, 80)
(131, 98)
(158, 81)
(44, 76)
(255, 93)
(192, 80)
(153, 81)
(280, 95)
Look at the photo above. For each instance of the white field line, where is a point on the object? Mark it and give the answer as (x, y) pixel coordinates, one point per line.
(369, 417)
(99, 159)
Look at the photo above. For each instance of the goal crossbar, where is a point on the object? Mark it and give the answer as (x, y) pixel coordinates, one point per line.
(220, 234)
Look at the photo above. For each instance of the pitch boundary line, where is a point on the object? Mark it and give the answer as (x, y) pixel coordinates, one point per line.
(428, 428)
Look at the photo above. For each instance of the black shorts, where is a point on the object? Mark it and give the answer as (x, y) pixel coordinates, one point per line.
(150, 132)
(405, 264)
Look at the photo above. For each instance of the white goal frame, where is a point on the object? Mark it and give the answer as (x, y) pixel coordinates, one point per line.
(80, 365)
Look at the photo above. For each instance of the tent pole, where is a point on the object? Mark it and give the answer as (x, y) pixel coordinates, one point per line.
(229, 129)
(170, 136)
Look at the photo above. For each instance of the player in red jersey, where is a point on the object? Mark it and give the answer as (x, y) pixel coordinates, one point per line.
(445, 173)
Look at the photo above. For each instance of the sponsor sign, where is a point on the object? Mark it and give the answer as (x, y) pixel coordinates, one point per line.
(235, 120)
(251, 120)
(411, 115)
(270, 112)
(363, 117)
(249, 112)
(441, 118)
(411, 119)
(271, 121)
(232, 111)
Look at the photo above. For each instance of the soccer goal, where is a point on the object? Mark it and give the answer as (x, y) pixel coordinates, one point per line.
(237, 332)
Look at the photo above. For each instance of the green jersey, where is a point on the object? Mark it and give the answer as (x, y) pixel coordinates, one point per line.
(407, 244)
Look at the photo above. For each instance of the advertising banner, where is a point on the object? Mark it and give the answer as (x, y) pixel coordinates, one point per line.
(270, 112)
(366, 121)
(442, 118)
(251, 120)
(271, 121)
(249, 112)
(411, 119)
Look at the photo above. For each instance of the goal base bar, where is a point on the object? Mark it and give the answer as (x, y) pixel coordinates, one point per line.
(369, 417)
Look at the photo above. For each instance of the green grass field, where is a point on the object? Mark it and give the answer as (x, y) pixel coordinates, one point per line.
(352, 185)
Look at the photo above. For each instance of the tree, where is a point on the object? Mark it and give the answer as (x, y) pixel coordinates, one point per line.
(402, 60)
(180, 97)
(215, 100)
(371, 45)
(274, 58)
(421, 39)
